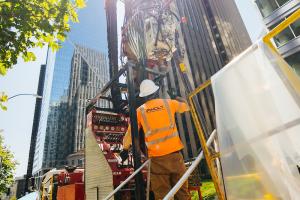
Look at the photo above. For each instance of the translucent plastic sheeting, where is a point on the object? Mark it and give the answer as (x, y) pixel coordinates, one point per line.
(258, 126)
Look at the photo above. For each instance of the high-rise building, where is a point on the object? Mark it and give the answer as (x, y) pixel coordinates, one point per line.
(288, 41)
(35, 125)
(213, 35)
(88, 75)
(56, 122)
(63, 142)
(66, 118)
(57, 130)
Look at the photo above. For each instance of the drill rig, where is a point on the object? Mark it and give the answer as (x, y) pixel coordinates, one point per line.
(150, 45)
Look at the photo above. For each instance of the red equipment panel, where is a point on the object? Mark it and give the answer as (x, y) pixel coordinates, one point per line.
(66, 178)
(109, 129)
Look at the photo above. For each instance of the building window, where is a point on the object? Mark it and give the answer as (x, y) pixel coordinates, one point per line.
(267, 7)
(296, 27)
(294, 62)
(287, 34)
(80, 163)
(281, 2)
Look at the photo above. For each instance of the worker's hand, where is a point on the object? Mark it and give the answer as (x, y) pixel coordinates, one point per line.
(124, 154)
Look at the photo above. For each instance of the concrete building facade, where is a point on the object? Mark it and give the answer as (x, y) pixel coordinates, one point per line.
(213, 35)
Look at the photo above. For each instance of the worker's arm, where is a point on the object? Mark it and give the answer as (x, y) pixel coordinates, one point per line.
(127, 139)
(180, 105)
(126, 144)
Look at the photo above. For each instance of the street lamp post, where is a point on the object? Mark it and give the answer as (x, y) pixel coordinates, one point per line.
(35, 95)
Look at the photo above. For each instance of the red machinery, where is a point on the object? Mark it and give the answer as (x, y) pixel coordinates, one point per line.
(71, 185)
(108, 129)
(63, 184)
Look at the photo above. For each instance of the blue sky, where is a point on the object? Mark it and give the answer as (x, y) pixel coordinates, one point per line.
(23, 78)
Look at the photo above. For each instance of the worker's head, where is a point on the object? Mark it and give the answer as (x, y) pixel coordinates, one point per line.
(148, 89)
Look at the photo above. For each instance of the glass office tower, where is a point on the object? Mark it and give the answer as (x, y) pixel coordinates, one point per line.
(55, 123)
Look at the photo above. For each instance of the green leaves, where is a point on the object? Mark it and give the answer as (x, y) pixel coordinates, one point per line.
(3, 99)
(2, 69)
(28, 56)
(34, 23)
(61, 37)
(54, 46)
(8, 167)
(3, 107)
(74, 16)
(80, 3)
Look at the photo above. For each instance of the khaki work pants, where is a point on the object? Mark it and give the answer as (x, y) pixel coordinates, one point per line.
(165, 173)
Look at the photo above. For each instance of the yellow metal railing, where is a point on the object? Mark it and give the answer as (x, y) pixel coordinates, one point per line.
(47, 189)
(207, 154)
(291, 76)
(293, 79)
(279, 28)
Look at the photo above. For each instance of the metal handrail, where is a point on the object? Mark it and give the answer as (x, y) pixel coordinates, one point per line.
(128, 179)
(186, 175)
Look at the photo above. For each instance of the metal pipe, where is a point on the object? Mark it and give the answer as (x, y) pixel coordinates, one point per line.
(136, 150)
(186, 175)
(127, 180)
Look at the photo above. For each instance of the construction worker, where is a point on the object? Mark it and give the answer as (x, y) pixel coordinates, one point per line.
(157, 118)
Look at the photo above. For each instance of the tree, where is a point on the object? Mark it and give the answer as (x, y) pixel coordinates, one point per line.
(34, 23)
(3, 98)
(7, 167)
(26, 24)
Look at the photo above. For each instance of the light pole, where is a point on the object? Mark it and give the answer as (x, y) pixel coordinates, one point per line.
(35, 95)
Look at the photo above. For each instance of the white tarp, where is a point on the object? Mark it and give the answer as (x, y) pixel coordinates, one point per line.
(31, 196)
(258, 126)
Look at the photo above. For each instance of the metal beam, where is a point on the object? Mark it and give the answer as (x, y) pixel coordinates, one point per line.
(136, 150)
(112, 38)
(106, 87)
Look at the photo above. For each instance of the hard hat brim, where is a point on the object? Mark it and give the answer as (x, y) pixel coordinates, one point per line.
(144, 94)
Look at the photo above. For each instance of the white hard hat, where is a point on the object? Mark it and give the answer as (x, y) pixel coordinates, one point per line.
(147, 87)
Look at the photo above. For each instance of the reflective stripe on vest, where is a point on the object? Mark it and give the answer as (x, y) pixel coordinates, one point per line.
(150, 131)
(159, 140)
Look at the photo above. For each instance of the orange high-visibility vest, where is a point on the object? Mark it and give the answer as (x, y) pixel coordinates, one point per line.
(157, 117)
